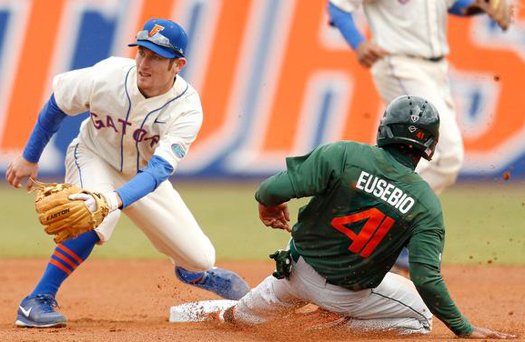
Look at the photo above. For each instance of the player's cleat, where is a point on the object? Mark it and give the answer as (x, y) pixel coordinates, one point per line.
(39, 312)
(220, 281)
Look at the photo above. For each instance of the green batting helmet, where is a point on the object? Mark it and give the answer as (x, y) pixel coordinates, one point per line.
(410, 120)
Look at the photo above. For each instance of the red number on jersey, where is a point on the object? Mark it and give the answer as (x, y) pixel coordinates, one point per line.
(374, 230)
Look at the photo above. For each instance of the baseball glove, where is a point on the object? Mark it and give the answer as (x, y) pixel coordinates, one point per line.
(498, 10)
(64, 217)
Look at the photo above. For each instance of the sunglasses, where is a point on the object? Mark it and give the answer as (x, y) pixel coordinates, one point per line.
(158, 39)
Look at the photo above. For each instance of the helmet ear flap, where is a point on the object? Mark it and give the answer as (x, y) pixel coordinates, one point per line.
(385, 132)
(389, 132)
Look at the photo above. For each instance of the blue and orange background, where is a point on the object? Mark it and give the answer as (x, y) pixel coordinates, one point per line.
(275, 79)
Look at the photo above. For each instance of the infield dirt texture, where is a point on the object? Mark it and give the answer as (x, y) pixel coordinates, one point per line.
(130, 301)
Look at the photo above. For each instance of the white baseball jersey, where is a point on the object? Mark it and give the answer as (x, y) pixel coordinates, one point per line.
(125, 128)
(406, 27)
(124, 131)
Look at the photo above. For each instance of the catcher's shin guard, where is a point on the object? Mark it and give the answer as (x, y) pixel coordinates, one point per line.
(220, 281)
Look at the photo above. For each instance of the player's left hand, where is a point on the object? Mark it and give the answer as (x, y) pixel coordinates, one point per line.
(480, 333)
(276, 217)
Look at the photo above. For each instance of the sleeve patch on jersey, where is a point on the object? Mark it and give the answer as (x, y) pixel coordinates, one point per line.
(178, 150)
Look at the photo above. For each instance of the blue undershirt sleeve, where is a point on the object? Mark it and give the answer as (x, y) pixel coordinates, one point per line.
(344, 21)
(459, 6)
(48, 123)
(145, 181)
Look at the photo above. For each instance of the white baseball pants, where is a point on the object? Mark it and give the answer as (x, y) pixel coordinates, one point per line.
(401, 75)
(393, 305)
(162, 215)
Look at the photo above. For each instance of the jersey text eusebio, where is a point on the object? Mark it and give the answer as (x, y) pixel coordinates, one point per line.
(385, 191)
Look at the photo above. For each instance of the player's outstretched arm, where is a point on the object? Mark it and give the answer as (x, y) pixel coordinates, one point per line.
(480, 333)
(433, 291)
(20, 169)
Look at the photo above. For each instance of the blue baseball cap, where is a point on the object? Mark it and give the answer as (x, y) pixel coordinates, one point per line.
(164, 37)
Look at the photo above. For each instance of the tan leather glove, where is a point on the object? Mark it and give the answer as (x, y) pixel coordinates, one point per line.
(67, 218)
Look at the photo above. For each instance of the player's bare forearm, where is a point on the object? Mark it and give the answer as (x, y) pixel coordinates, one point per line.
(20, 169)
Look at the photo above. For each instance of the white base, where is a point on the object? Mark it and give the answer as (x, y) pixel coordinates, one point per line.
(198, 311)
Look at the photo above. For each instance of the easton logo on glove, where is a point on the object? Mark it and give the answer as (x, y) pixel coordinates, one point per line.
(64, 217)
(65, 211)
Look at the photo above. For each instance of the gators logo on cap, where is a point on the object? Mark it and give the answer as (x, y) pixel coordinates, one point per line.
(156, 29)
(178, 150)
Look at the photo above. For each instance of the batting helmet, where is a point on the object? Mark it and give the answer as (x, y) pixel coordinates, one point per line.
(410, 120)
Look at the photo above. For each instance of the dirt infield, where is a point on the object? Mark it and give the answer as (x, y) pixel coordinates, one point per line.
(130, 301)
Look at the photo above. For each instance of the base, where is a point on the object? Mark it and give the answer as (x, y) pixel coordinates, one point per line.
(198, 311)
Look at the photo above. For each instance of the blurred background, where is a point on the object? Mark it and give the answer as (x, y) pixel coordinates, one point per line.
(275, 80)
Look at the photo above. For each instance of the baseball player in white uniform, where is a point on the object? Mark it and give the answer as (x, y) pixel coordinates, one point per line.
(407, 55)
(143, 119)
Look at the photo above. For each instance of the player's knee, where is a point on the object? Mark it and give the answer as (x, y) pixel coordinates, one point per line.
(430, 323)
(426, 326)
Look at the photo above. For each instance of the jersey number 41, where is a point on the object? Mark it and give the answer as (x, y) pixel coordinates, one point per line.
(374, 230)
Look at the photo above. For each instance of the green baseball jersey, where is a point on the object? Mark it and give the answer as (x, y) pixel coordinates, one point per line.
(365, 207)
